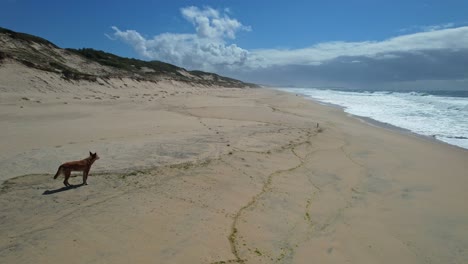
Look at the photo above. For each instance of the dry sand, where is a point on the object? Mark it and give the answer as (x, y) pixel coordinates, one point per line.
(215, 175)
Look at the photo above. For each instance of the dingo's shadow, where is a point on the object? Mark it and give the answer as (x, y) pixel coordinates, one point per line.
(65, 188)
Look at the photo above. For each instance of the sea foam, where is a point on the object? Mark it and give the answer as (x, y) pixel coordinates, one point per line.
(442, 117)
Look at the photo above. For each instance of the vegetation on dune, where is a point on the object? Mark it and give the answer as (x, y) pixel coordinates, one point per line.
(49, 57)
(25, 37)
(3, 55)
(149, 68)
(128, 64)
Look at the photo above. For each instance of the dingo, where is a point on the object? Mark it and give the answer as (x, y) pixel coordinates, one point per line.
(83, 165)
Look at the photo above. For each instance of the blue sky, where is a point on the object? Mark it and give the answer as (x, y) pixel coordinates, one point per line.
(277, 42)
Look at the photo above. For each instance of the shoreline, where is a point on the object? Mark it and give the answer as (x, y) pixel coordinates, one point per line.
(373, 122)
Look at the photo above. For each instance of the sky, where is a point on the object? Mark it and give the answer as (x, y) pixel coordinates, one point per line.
(363, 44)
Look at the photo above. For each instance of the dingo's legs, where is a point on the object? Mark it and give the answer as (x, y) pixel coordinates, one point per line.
(67, 175)
(85, 177)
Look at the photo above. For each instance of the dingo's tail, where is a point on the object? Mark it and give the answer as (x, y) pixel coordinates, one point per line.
(58, 172)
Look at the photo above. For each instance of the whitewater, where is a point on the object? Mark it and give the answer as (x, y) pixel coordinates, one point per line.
(442, 115)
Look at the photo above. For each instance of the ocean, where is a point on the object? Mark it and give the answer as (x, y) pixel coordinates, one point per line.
(439, 114)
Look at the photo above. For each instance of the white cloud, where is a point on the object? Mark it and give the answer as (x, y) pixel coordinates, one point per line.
(207, 49)
(209, 23)
(438, 27)
(451, 39)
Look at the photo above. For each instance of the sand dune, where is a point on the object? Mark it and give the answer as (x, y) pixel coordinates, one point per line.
(216, 175)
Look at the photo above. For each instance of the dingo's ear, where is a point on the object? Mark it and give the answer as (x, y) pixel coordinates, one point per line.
(90, 153)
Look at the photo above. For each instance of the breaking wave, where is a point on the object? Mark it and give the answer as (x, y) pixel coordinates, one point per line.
(440, 114)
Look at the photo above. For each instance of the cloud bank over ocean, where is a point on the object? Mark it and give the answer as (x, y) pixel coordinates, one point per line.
(434, 57)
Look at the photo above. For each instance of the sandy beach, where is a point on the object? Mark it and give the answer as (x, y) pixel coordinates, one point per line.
(195, 174)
